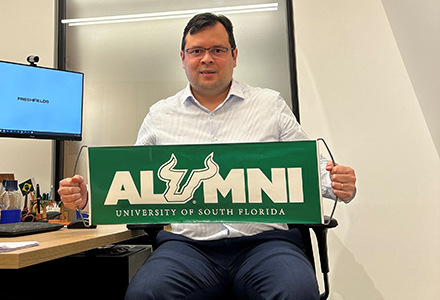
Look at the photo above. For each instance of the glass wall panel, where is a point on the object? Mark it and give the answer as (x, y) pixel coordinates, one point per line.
(130, 66)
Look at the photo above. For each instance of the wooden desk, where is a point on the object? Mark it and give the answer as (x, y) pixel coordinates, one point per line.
(62, 243)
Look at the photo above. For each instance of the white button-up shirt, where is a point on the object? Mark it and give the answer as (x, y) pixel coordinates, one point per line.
(247, 114)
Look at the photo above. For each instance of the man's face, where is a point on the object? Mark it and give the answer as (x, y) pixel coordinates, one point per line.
(209, 77)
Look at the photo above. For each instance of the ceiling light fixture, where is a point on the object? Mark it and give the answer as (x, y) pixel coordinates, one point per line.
(171, 14)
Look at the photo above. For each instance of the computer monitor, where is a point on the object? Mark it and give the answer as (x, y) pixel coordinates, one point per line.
(42, 103)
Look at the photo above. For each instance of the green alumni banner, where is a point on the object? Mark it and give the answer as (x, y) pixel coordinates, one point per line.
(277, 182)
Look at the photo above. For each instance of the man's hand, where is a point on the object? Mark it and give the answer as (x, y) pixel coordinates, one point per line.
(73, 192)
(343, 180)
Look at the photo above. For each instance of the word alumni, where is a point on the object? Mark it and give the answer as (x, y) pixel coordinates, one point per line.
(285, 185)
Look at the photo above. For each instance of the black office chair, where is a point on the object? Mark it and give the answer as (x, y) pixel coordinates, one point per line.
(320, 231)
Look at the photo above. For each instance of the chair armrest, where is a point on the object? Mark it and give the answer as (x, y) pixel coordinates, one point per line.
(320, 231)
(328, 223)
(146, 226)
(150, 229)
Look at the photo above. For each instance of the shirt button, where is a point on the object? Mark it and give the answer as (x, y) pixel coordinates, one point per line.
(213, 114)
(215, 138)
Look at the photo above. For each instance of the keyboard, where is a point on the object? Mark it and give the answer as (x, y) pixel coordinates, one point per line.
(25, 228)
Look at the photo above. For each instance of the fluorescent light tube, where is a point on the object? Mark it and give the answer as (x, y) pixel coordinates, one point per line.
(171, 14)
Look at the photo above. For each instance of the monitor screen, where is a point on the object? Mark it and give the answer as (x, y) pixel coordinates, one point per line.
(37, 102)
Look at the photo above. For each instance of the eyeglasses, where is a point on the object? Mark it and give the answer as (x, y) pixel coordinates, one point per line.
(215, 52)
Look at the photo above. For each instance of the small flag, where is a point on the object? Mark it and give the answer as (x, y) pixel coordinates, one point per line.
(27, 186)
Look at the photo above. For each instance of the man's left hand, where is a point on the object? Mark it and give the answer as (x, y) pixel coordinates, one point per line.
(343, 180)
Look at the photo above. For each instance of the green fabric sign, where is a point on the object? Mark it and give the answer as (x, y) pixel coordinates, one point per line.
(275, 182)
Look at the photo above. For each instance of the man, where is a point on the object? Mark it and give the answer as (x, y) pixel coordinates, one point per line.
(222, 261)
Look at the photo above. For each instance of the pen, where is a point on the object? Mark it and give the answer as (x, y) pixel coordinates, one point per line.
(38, 198)
(50, 192)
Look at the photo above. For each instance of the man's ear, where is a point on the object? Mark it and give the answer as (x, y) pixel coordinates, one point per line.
(235, 52)
(182, 57)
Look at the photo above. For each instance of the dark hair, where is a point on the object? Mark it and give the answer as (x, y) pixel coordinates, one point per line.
(204, 20)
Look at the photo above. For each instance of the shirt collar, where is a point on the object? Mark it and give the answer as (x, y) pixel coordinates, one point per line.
(235, 90)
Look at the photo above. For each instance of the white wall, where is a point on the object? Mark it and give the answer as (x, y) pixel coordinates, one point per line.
(416, 27)
(27, 28)
(356, 92)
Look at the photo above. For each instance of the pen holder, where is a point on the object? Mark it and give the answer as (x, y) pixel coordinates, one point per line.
(10, 216)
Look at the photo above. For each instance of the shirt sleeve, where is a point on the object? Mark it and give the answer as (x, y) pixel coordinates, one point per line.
(146, 133)
(288, 127)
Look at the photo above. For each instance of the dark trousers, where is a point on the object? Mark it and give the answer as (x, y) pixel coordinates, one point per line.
(269, 265)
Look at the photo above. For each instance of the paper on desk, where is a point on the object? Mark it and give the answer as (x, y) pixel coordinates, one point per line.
(11, 246)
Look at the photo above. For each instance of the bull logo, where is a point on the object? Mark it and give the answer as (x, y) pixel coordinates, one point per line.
(174, 191)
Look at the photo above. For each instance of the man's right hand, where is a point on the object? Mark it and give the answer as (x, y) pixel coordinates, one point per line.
(73, 192)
